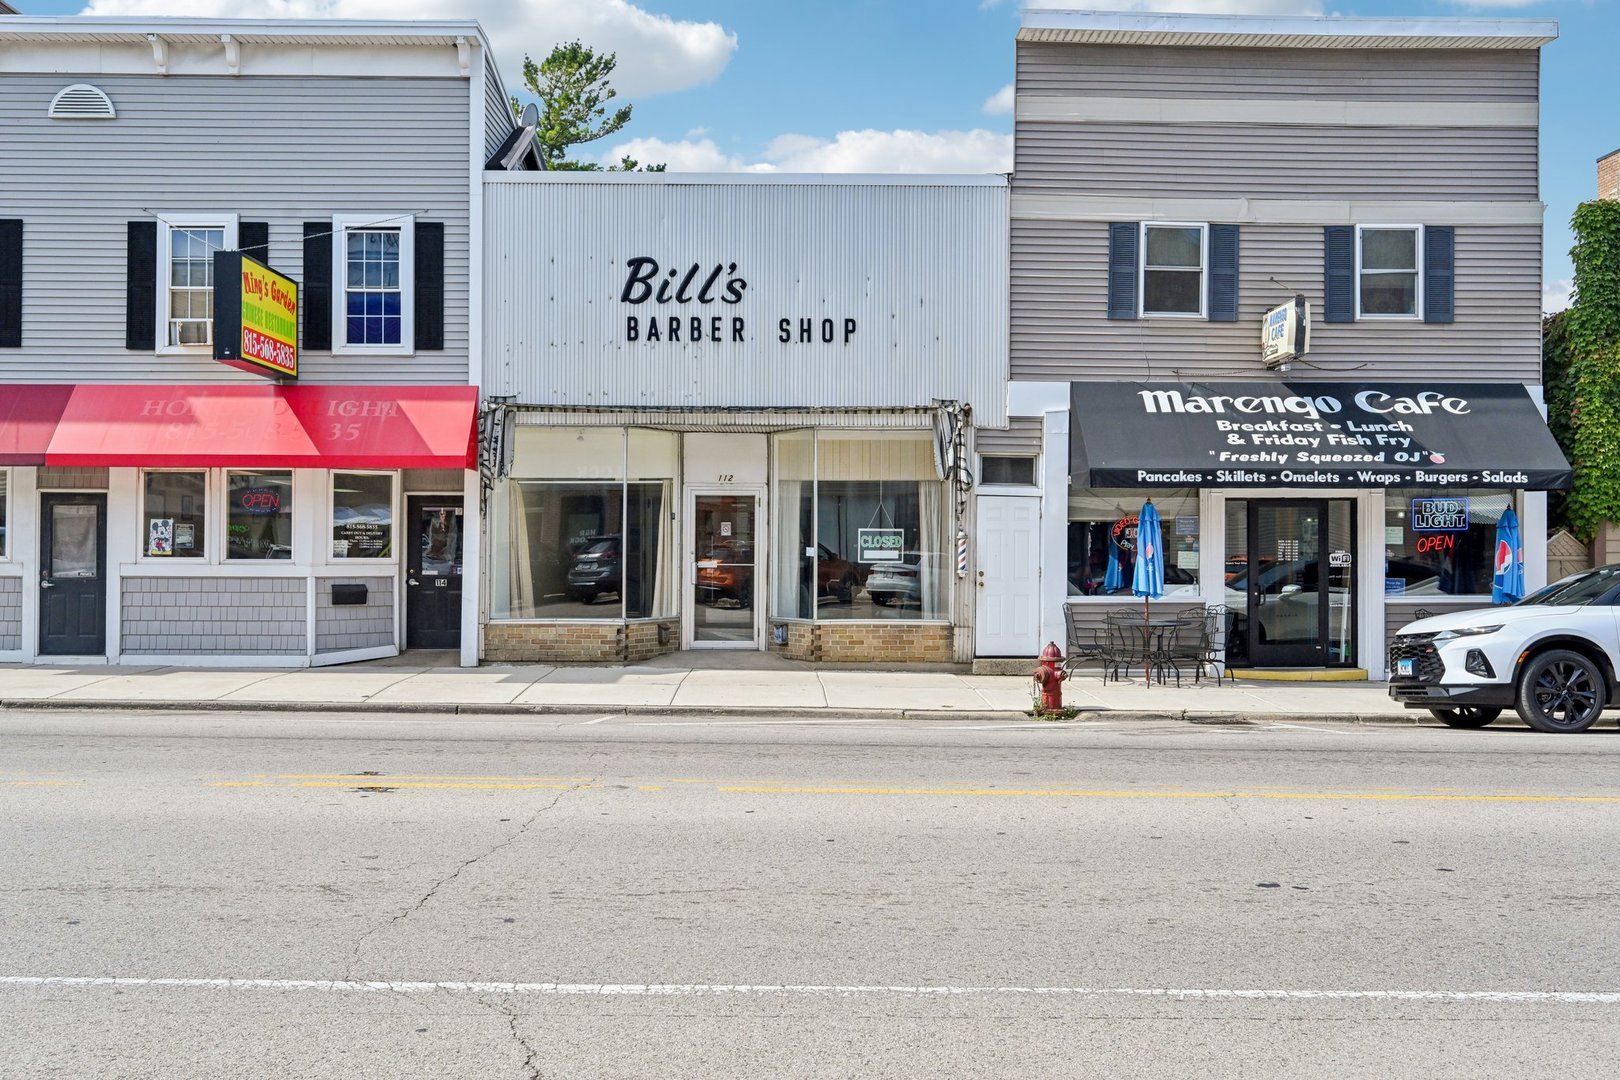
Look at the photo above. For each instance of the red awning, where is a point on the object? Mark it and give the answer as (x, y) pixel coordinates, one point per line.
(324, 427)
(28, 417)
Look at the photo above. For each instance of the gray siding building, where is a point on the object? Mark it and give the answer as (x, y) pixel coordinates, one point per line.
(1181, 180)
(313, 505)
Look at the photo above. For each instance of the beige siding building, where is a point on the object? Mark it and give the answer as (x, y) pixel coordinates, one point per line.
(1178, 182)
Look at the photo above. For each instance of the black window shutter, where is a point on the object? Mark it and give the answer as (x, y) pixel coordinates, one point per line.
(317, 303)
(1439, 274)
(253, 240)
(429, 299)
(1339, 274)
(140, 287)
(1122, 244)
(1223, 273)
(11, 241)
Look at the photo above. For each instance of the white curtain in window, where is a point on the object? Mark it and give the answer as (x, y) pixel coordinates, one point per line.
(930, 534)
(787, 553)
(520, 572)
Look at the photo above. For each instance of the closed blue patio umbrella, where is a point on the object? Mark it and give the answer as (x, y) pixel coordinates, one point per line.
(1148, 579)
(1114, 577)
(1507, 586)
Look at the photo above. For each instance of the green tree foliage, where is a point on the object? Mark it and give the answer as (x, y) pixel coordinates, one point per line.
(572, 89)
(1591, 330)
(1560, 392)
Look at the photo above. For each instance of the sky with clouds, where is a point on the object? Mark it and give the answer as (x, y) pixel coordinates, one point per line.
(905, 85)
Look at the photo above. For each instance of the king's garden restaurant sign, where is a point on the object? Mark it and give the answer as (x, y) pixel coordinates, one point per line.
(255, 316)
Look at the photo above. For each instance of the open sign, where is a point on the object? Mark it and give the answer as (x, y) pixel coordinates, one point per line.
(260, 500)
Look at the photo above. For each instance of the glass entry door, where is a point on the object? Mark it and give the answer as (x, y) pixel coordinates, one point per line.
(724, 560)
(1290, 582)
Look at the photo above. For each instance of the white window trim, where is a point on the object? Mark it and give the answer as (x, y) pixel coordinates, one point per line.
(380, 219)
(210, 553)
(1001, 489)
(224, 503)
(1416, 316)
(394, 523)
(1203, 270)
(167, 223)
(7, 486)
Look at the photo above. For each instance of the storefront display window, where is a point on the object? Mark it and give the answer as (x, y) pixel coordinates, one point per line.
(173, 511)
(875, 510)
(579, 540)
(1102, 539)
(259, 515)
(1441, 542)
(362, 516)
(793, 484)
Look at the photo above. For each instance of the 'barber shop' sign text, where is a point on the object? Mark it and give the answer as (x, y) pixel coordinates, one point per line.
(717, 292)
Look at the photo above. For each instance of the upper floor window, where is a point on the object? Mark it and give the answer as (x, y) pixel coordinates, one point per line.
(186, 247)
(374, 254)
(1389, 283)
(1174, 260)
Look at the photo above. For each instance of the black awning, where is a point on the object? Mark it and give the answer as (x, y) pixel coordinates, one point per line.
(1311, 435)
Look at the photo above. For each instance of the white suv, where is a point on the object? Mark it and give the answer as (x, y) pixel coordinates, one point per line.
(1552, 657)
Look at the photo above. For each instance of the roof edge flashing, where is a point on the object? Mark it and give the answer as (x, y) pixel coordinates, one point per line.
(1294, 31)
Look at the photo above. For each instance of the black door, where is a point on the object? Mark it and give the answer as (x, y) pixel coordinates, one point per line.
(73, 575)
(1297, 583)
(433, 572)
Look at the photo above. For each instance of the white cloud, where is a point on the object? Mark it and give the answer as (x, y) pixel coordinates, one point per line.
(999, 103)
(1555, 295)
(1493, 3)
(657, 54)
(869, 151)
(1201, 7)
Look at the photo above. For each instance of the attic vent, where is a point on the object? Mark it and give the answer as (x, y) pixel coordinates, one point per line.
(81, 101)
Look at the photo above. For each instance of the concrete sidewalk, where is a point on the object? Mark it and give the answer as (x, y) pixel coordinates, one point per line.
(707, 684)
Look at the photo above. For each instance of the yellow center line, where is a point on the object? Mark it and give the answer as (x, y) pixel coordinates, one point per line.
(368, 778)
(239, 783)
(390, 782)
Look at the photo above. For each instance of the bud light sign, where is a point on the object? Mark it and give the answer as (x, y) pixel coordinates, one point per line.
(1439, 515)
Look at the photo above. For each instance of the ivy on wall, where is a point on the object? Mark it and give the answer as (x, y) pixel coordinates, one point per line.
(1591, 343)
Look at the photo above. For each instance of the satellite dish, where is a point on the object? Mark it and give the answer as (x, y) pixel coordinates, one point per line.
(531, 115)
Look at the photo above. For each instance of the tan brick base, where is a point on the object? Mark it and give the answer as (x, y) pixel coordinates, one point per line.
(606, 642)
(864, 642)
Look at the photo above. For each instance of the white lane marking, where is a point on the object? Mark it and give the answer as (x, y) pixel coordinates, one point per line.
(1553, 997)
(598, 720)
(1323, 730)
(754, 723)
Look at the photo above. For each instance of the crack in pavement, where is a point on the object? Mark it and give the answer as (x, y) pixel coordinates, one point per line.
(354, 957)
(530, 1069)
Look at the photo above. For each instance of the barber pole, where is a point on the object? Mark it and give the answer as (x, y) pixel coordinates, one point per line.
(961, 554)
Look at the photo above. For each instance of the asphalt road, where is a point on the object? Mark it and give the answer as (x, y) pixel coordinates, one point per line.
(290, 896)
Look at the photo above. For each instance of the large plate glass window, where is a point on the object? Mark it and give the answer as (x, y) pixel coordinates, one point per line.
(362, 516)
(793, 487)
(653, 459)
(373, 257)
(558, 526)
(259, 515)
(174, 509)
(1441, 543)
(1389, 285)
(1103, 542)
(186, 282)
(881, 551)
(1173, 264)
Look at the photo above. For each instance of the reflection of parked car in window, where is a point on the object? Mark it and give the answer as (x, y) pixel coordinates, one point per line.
(1288, 601)
(597, 569)
(727, 573)
(836, 576)
(901, 582)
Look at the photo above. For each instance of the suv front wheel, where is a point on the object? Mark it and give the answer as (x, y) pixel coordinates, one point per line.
(1561, 691)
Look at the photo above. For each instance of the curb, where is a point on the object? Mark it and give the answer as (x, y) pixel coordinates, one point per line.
(740, 712)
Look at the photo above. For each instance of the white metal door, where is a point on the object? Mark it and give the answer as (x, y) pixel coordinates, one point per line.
(1009, 576)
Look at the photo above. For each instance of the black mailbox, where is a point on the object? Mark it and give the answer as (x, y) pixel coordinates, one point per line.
(348, 593)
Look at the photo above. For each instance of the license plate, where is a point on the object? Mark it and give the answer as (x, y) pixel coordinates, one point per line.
(1406, 667)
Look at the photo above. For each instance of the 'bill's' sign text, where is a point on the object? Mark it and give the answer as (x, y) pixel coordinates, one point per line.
(646, 282)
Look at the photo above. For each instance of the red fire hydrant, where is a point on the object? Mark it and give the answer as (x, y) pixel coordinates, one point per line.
(1049, 677)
